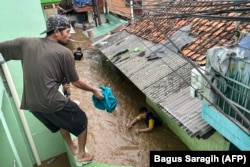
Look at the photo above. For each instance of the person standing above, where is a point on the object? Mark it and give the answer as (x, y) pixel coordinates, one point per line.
(78, 54)
(150, 120)
(65, 7)
(46, 62)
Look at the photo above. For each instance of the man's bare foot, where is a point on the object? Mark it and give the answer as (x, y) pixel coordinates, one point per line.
(85, 158)
(74, 149)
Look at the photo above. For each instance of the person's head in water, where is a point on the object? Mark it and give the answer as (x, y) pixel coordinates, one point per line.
(79, 49)
(143, 111)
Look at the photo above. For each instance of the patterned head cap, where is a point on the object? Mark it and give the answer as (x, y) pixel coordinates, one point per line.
(56, 22)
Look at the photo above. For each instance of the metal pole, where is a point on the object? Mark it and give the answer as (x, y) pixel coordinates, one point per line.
(98, 13)
(132, 10)
(94, 12)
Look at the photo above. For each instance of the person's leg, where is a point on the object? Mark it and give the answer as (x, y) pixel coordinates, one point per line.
(48, 119)
(71, 119)
(82, 155)
(75, 121)
(73, 146)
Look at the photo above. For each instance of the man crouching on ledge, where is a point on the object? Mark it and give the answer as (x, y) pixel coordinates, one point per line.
(46, 63)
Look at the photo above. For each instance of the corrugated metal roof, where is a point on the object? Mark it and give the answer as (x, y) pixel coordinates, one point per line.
(187, 112)
(162, 78)
(159, 78)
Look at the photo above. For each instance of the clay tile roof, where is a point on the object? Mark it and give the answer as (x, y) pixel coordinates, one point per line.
(212, 24)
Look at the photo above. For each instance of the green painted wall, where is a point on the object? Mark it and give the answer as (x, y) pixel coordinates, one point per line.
(41, 135)
(14, 129)
(23, 19)
(214, 142)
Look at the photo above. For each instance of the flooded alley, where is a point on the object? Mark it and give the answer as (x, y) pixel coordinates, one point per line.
(108, 138)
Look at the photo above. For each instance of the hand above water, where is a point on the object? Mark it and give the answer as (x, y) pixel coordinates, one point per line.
(98, 94)
(128, 126)
(137, 131)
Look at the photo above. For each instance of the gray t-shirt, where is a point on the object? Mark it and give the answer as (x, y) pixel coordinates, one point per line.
(45, 64)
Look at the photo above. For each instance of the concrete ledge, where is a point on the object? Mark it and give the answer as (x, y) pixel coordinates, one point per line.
(73, 163)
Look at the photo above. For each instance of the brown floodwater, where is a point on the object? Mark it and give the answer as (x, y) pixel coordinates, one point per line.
(108, 139)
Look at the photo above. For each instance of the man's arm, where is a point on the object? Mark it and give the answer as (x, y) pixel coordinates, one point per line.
(134, 121)
(143, 130)
(60, 8)
(148, 129)
(11, 50)
(84, 86)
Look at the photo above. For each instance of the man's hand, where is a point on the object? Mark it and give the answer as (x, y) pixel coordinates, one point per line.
(128, 126)
(66, 89)
(98, 94)
(66, 86)
(137, 131)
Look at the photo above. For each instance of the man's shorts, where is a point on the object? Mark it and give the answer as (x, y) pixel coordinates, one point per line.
(70, 118)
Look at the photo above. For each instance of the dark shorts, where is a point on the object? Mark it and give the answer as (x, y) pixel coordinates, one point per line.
(70, 118)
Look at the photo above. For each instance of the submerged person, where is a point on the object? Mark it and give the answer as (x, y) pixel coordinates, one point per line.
(46, 63)
(78, 54)
(149, 118)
